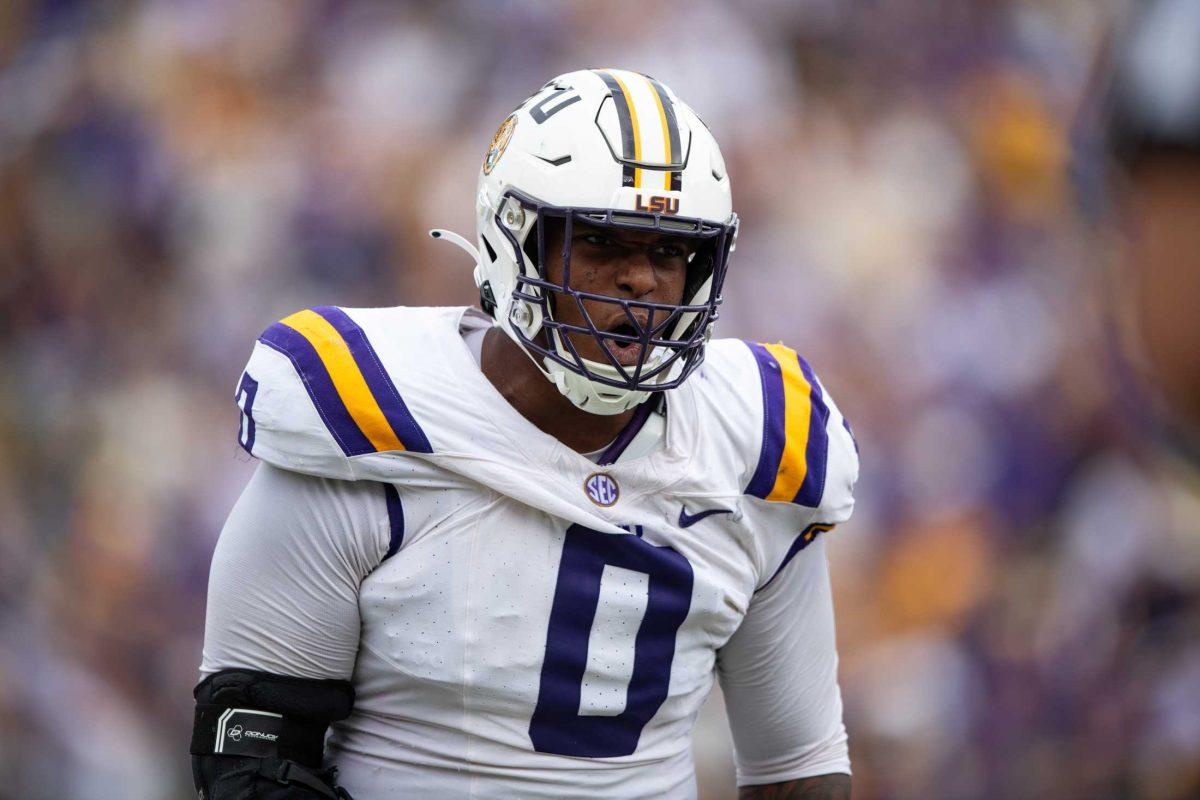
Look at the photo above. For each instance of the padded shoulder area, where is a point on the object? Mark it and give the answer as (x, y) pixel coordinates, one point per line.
(729, 405)
(343, 376)
(765, 412)
(316, 392)
(794, 451)
(767, 402)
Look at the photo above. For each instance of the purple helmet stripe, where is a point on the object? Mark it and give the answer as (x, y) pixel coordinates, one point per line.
(319, 385)
(378, 381)
(774, 432)
(672, 129)
(626, 123)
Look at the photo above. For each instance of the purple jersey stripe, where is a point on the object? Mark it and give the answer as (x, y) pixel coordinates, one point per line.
(802, 541)
(627, 434)
(395, 512)
(380, 383)
(817, 451)
(773, 423)
(320, 387)
(849, 430)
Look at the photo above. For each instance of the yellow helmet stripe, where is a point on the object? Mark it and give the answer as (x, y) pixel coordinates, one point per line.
(662, 117)
(637, 132)
(674, 147)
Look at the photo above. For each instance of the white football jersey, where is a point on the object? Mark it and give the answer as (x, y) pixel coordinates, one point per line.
(519, 620)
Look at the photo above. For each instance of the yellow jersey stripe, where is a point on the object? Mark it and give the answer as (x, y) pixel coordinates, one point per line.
(347, 378)
(793, 466)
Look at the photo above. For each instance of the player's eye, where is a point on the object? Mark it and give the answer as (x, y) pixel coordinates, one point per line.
(670, 251)
(598, 240)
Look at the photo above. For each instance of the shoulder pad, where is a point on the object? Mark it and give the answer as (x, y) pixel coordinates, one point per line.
(794, 458)
(770, 424)
(342, 373)
(316, 393)
(768, 420)
(807, 462)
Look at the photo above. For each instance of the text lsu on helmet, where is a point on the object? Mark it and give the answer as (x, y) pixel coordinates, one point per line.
(608, 148)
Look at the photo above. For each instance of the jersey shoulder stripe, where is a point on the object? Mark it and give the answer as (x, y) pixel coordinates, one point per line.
(355, 397)
(795, 444)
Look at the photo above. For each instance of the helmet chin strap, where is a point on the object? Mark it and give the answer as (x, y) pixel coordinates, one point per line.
(586, 395)
(582, 393)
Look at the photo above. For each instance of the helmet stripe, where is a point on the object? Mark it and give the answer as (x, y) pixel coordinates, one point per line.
(666, 110)
(630, 136)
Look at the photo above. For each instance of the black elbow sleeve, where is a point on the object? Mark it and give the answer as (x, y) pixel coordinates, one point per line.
(258, 735)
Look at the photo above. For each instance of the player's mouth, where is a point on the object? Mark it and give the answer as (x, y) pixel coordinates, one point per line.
(626, 353)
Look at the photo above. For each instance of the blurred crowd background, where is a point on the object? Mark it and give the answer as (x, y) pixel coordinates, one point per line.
(1018, 594)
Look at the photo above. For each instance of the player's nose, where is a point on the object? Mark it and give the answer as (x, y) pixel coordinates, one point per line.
(635, 274)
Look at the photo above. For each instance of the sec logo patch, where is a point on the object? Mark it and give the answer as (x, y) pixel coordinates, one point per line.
(601, 489)
(499, 142)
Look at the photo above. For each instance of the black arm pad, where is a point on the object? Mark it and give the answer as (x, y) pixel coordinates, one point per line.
(254, 727)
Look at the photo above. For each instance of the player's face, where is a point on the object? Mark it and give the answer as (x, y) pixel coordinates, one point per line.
(624, 264)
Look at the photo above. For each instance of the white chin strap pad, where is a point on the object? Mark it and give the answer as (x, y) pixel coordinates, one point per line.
(582, 392)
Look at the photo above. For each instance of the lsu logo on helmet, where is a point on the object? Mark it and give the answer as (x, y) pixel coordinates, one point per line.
(500, 141)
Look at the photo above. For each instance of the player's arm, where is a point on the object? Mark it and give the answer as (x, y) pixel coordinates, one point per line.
(281, 633)
(779, 676)
(821, 787)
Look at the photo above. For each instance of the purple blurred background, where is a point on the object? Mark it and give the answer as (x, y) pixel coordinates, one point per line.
(1018, 593)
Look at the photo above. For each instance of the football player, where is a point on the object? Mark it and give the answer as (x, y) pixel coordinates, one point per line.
(506, 553)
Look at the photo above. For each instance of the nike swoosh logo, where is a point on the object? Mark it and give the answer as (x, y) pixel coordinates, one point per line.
(687, 520)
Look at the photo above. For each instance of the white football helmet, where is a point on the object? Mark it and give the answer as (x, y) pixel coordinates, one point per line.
(609, 148)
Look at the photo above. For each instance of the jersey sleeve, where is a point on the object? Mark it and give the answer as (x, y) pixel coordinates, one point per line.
(285, 576)
(801, 483)
(779, 676)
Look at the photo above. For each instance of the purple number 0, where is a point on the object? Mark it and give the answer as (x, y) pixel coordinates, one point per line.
(557, 726)
(245, 399)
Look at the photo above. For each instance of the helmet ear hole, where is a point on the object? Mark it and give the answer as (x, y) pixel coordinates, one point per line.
(698, 271)
(491, 251)
(487, 298)
(553, 233)
(530, 247)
